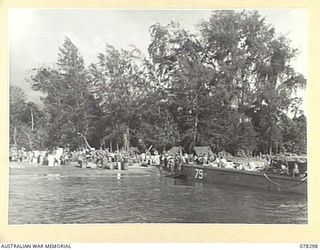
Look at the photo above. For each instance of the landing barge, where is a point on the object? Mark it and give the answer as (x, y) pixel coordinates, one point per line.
(251, 179)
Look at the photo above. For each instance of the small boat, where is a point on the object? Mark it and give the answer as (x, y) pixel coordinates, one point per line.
(251, 179)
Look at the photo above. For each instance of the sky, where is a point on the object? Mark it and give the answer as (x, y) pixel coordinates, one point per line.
(36, 34)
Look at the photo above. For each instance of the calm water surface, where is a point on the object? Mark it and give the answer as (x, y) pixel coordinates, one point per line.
(70, 195)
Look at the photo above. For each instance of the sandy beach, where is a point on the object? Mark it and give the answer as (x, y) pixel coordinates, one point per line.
(26, 168)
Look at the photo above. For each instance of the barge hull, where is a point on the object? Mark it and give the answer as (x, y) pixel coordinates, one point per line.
(251, 179)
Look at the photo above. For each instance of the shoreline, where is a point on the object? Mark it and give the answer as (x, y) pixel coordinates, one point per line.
(28, 169)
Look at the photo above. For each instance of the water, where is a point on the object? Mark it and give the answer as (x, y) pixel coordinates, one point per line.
(42, 195)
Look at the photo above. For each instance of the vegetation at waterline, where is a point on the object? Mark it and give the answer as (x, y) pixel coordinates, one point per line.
(231, 86)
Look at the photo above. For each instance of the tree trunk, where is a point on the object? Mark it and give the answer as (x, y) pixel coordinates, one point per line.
(270, 149)
(110, 145)
(15, 136)
(117, 138)
(32, 120)
(30, 142)
(87, 143)
(85, 139)
(126, 138)
(195, 128)
(196, 120)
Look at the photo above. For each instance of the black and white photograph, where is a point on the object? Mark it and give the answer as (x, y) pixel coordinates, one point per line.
(157, 116)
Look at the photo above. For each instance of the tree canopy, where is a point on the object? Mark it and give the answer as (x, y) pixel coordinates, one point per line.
(26, 121)
(230, 85)
(71, 110)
